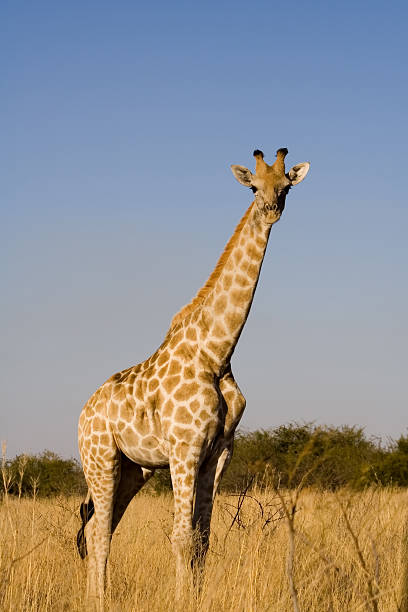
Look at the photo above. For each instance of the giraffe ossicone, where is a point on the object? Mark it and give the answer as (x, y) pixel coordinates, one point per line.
(179, 409)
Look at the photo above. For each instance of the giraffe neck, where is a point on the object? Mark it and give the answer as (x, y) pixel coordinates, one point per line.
(225, 309)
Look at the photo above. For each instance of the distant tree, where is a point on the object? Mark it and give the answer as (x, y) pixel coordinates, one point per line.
(47, 473)
(328, 457)
(392, 467)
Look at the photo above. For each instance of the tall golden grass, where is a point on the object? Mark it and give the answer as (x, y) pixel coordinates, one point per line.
(344, 551)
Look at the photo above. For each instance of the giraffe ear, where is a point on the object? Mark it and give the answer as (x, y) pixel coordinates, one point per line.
(243, 175)
(298, 172)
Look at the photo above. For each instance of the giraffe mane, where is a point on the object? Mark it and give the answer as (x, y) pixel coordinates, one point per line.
(216, 273)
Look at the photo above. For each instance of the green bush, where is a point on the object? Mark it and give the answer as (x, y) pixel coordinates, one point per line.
(161, 482)
(391, 468)
(46, 474)
(326, 457)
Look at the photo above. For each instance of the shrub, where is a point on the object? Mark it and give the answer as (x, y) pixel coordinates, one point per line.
(46, 474)
(328, 457)
(392, 467)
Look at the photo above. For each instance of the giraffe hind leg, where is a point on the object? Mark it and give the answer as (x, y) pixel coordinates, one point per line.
(132, 479)
(86, 511)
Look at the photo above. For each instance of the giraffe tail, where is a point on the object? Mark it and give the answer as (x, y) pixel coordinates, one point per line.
(86, 510)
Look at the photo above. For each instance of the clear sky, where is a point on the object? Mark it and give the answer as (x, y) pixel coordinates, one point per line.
(119, 121)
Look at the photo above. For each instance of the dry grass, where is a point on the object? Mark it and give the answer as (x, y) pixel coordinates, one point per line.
(349, 554)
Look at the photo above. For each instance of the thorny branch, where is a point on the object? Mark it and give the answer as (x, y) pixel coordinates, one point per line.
(372, 584)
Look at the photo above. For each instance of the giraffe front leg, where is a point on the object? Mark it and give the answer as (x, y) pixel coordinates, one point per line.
(183, 468)
(208, 480)
(222, 464)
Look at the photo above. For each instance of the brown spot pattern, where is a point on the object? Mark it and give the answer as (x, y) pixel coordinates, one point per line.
(175, 367)
(171, 382)
(191, 334)
(183, 415)
(186, 391)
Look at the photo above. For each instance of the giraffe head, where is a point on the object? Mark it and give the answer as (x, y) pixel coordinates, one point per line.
(271, 184)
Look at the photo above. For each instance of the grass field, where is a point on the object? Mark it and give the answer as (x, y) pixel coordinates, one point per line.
(346, 552)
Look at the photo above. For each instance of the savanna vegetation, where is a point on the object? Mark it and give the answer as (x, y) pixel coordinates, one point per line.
(271, 550)
(326, 457)
(308, 518)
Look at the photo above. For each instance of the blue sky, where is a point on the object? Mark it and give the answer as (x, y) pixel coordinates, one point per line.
(119, 122)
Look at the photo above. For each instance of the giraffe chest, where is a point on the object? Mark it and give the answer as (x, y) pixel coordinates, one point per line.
(152, 415)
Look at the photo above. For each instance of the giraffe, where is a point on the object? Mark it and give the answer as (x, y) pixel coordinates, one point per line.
(179, 409)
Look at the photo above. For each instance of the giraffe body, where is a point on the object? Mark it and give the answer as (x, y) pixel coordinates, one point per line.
(180, 408)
